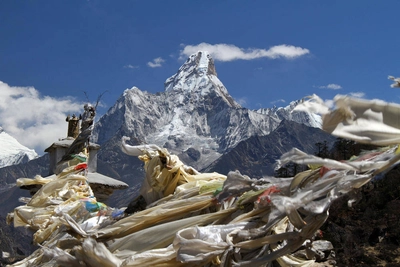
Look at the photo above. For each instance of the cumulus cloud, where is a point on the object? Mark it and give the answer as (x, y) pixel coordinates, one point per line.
(157, 62)
(229, 52)
(129, 66)
(35, 121)
(331, 86)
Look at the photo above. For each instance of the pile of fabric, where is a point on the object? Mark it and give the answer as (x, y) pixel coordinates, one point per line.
(209, 219)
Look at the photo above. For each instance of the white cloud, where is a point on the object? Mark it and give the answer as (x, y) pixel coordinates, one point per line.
(35, 121)
(129, 66)
(332, 86)
(228, 52)
(357, 94)
(156, 62)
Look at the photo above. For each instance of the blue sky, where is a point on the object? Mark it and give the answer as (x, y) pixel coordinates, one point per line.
(54, 51)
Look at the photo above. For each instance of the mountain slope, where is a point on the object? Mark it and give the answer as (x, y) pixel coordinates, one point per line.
(257, 155)
(14, 241)
(8, 176)
(17, 241)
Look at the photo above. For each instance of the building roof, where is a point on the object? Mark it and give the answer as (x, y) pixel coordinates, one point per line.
(98, 178)
(67, 142)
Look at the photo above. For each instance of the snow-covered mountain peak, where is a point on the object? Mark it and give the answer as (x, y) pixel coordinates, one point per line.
(128, 91)
(12, 152)
(197, 77)
(202, 62)
(288, 113)
(196, 67)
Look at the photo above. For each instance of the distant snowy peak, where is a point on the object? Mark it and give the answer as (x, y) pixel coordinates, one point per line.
(280, 113)
(198, 78)
(196, 66)
(12, 152)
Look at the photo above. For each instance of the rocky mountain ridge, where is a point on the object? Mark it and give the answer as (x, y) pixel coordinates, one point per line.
(195, 115)
(257, 156)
